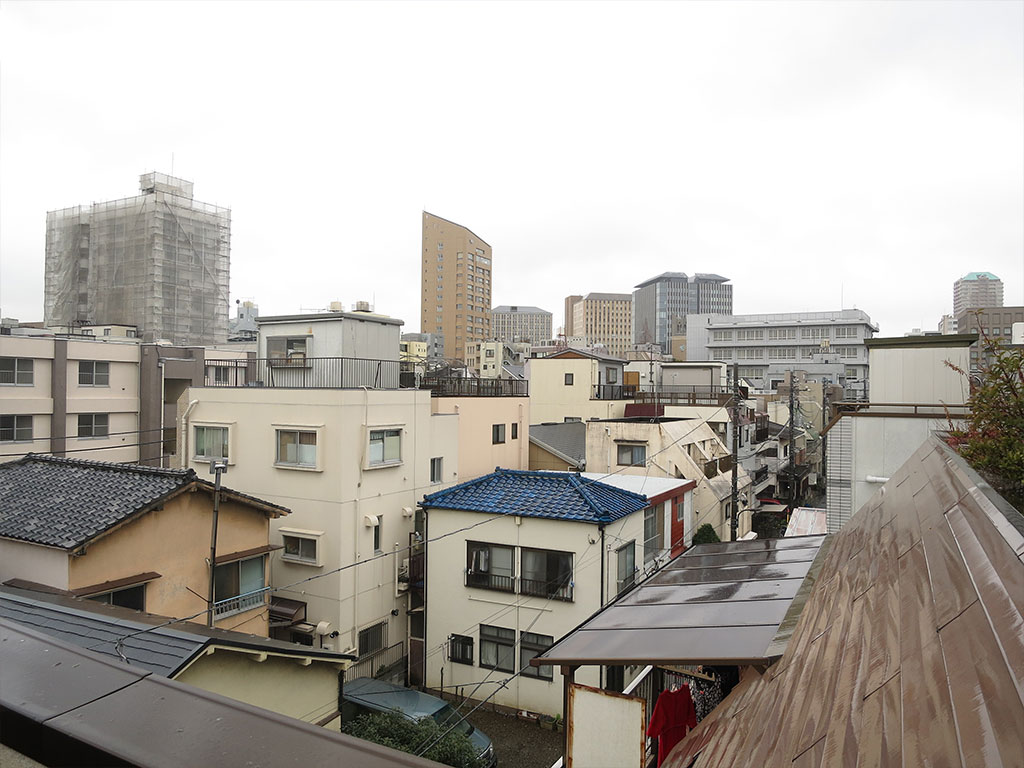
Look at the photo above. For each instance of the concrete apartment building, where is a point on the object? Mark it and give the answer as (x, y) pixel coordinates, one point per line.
(455, 298)
(108, 398)
(515, 323)
(765, 346)
(159, 261)
(995, 322)
(320, 424)
(567, 327)
(604, 319)
(661, 304)
(976, 289)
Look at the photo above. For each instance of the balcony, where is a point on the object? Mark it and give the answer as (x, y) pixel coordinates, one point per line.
(304, 373)
(546, 589)
(673, 394)
(491, 581)
(238, 604)
(379, 664)
(461, 387)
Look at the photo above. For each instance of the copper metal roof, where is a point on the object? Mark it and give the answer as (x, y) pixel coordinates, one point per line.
(910, 649)
(714, 604)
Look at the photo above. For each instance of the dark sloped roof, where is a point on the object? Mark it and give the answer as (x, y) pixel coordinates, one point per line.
(67, 502)
(910, 649)
(164, 650)
(714, 604)
(554, 495)
(566, 440)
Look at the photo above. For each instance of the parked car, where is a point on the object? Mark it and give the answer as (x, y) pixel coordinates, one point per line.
(365, 694)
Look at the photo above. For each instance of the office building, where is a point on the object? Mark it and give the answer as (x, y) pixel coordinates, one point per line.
(570, 302)
(518, 323)
(455, 297)
(662, 303)
(159, 261)
(994, 322)
(827, 345)
(605, 320)
(976, 289)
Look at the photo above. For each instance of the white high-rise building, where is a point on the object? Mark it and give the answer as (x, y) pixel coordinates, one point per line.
(977, 289)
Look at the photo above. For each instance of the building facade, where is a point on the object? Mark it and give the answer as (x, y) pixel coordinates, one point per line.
(518, 323)
(661, 304)
(976, 289)
(570, 302)
(605, 319)
(995, 322)
(765, 346)
(159, 261)
(455, 291)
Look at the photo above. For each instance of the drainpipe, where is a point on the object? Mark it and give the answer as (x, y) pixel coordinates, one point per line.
(600, 670)
(184, 432)
(163, 405)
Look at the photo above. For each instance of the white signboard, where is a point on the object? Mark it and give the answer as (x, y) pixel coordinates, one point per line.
(605, 729)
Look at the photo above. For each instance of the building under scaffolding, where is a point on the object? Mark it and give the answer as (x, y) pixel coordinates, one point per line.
(159, 261)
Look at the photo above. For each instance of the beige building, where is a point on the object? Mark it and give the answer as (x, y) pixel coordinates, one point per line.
(138, 537)
(570, 302)
(605, 319)
(573, 385)
(520, 323)
(548, 557)
(455, 298)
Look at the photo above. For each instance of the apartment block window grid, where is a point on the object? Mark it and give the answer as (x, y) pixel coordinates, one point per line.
(17, 371)
(16, 428)
(93, 373)
(93, 424)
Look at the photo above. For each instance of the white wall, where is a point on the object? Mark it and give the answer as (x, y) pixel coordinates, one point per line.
(44, 565)
(919, 374)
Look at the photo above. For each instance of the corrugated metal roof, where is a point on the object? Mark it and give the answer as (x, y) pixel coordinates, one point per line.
(65, 503)
(714, 604)
(910, 649)
(554, 495)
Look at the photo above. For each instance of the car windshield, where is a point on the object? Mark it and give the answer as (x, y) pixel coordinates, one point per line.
(445, 716)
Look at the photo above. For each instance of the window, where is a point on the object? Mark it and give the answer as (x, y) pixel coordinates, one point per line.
(814, 333)
(721, 354)
(612, 376)
(572, 419)
(652, 539)
(385, 447)
(681, 510)
(240, 584)
(497, 434)
(632, 455)
(296, 448)
(781, 334)
(782, 353)
(546, 573)
(625, 557)
(568, 379)
(15, 429)
(130, 597)
(721, 335)
(460, 649)
(530, 645)
(497, 648)
(377, 532)
(489, 566)
(289, 350)
(515, 430)
(16, 370)
(220, 374)
(93, 424)
(436, 474)
(301, 546)
(750, 335)
(844, 332)
(211, 443)
(373, 639)
(93, 374)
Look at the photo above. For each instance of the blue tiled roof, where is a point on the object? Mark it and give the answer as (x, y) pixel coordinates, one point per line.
(555, 495)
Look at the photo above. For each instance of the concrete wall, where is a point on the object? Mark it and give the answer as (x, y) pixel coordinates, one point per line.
(175, 542)
(919, 375)
(279, 683)
(551, 399)
(478, 454)
(343, 336)
(454, 608)
(44, 565)
(336, 499)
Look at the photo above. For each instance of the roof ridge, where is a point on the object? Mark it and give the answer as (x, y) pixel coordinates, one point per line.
(47, 458)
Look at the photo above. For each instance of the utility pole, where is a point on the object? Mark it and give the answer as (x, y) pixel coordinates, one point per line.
(792, 440)
(823, 435)
(733, 524)
(217, 468)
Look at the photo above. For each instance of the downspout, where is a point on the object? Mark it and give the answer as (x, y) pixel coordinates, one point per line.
(163, 406)
(355, 521)
(184, 432)
(604, 554)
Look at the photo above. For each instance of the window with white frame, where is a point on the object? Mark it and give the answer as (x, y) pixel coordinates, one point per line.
(750, 353)
(301, 546)
(848, 352)
(721, 354)
(631, 455)
(750, 334)
(532, 645)
(385, 447)
(17, 371)
(846, 332)
(378, 529)
(815, 332)
(239, 586)
(652, 539)
(781, 334)
(625, 560)
(16, 429)
(296, 448)
(782, 353)
(497, 648)
(289, 350)
(721, 335)
(211, 443)
(436, 471)
(93, 424)
(92, 373)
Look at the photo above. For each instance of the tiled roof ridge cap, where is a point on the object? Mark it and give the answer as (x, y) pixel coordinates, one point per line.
(184, 474)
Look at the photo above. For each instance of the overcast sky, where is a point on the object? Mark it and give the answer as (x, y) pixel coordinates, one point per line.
(819, 154)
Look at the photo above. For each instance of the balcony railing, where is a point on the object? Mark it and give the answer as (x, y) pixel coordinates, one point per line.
(670, 394)
(304, 373)
(461, 387)
(548, 589)
(378, 664)
(239, 604)
(490, 581)
(760, 475)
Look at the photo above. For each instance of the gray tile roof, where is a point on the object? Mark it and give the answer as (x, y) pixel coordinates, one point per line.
(67, 502)
(96, 626)
(567, 441)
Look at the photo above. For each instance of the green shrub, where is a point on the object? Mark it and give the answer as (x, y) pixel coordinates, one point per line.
(392, 729)
(705, 535)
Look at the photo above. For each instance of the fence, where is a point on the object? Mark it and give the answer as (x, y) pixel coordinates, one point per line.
(379, 664)
(300, 372)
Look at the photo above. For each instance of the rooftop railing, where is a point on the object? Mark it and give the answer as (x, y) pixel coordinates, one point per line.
(670, 394)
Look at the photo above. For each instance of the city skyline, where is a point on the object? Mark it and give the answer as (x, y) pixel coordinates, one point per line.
(821, 156)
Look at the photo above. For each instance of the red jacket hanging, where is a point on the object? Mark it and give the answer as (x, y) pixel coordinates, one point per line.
(674, 715)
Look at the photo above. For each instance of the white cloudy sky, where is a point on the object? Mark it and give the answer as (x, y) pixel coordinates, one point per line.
(814, 152)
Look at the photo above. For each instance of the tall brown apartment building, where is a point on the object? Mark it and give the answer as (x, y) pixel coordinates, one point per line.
(456, 285)
(605, 318)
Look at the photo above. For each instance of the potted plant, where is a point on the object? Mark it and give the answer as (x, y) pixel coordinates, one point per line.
(547, 722)
(559, 723)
